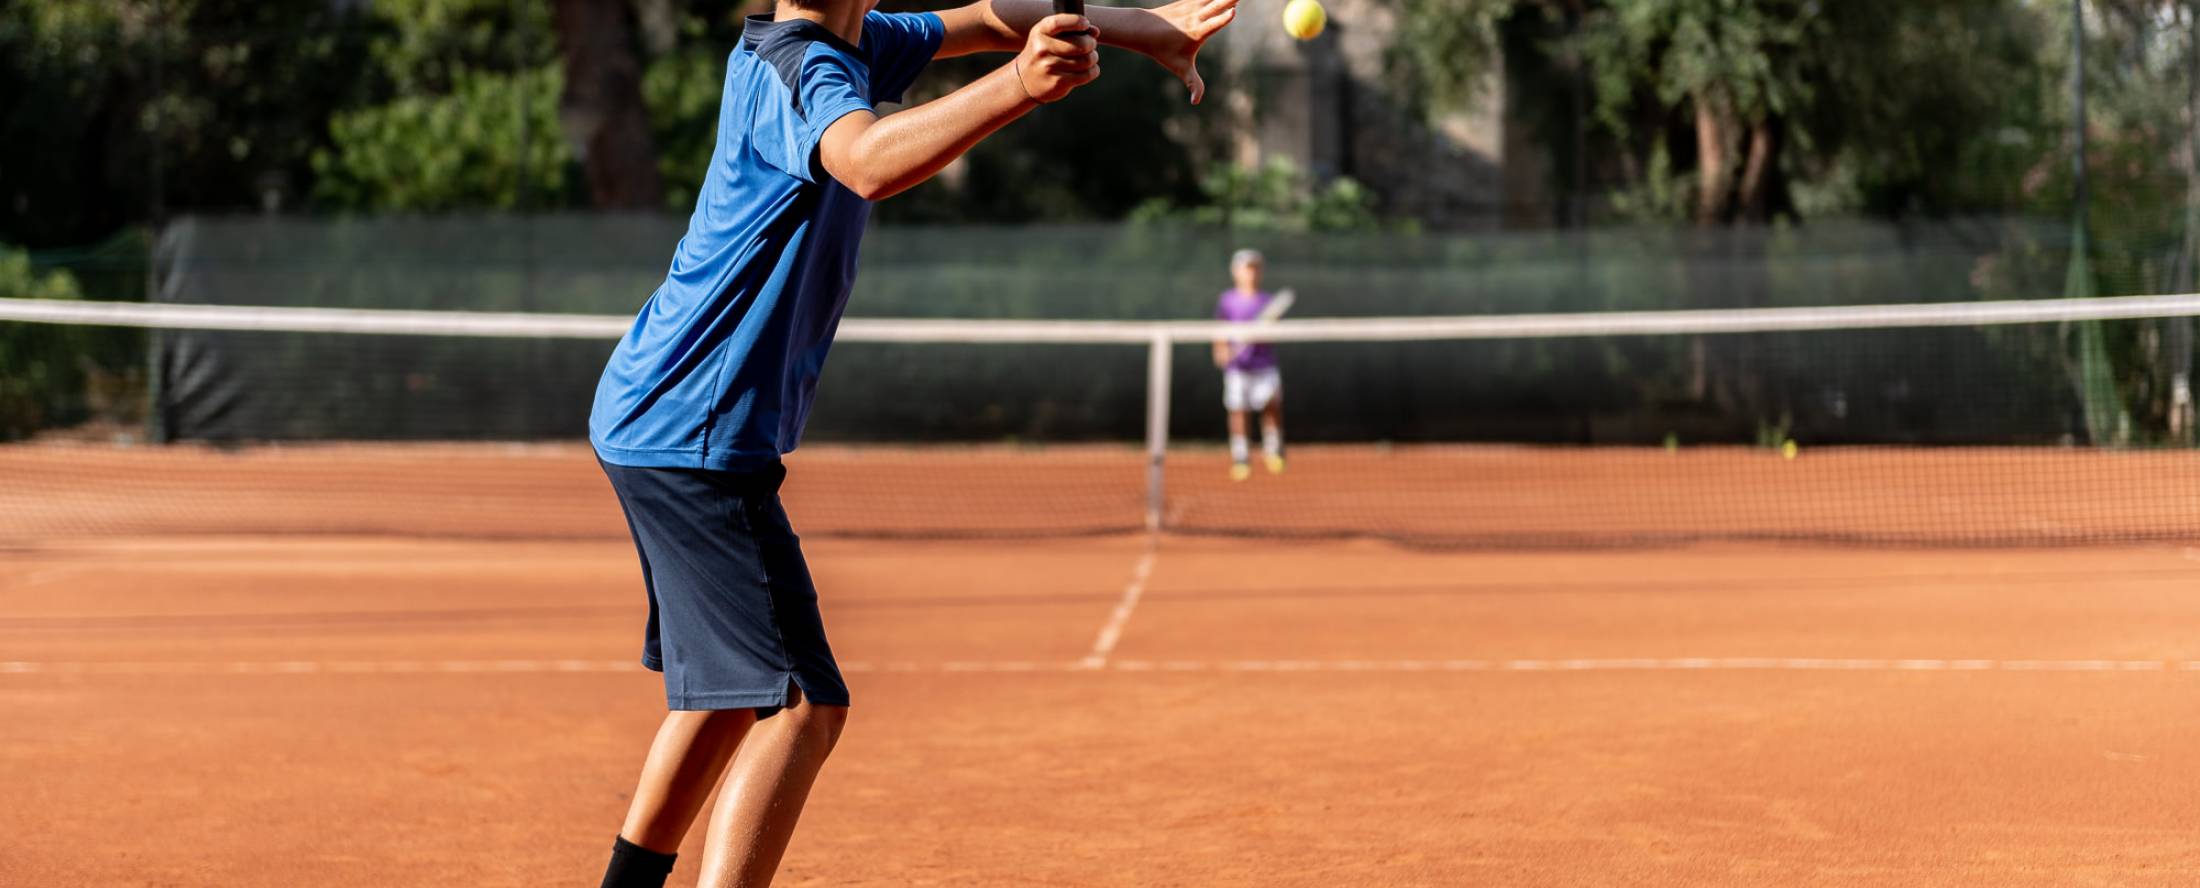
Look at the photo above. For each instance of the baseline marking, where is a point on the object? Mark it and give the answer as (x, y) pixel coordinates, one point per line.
(950, 667)
(1104, 645)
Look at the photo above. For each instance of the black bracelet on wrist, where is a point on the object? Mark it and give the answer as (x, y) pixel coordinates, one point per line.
(1016, 68)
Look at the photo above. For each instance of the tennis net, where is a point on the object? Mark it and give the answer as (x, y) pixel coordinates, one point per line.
(2039, 422)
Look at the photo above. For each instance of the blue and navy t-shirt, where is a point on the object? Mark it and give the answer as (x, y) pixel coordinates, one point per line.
(719, 369)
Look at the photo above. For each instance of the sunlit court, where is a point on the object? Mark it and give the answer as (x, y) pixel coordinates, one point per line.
(1099, 707)
(1177, 444)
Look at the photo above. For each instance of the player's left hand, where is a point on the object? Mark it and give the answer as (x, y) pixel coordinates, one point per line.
(1194, 21)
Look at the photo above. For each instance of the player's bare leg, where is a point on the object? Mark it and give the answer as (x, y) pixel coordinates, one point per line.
(764, 793)
(690, 753)
(1241, 455)
(1271, 434)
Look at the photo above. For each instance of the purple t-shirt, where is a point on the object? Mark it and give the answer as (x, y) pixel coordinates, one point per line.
(1240, 306)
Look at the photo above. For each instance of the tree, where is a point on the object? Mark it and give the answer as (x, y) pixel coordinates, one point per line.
(462, 113)
(1739, 70)
(116, 113)
(1742, 111)
(602, 109)
(41, 366)
(489, 143)
(112, 111)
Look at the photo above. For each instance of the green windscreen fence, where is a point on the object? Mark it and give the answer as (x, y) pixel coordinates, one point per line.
(1981, 386)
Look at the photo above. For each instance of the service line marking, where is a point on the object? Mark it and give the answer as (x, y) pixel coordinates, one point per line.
(1103, 646)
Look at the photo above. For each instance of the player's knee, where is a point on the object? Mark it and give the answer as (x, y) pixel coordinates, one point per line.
(820, 726)
(817, 724)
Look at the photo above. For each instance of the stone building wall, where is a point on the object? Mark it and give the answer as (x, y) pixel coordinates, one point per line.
(1325, 104)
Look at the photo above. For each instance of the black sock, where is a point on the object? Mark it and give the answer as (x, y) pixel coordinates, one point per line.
(633, 866)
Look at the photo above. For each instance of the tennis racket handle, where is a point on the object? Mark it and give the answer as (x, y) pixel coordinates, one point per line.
(1071, 7)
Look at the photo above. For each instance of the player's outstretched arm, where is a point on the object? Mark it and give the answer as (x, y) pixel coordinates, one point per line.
(877, 157)
(1171, 35)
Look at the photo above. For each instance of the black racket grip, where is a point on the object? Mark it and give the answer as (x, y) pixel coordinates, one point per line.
(1071, 7)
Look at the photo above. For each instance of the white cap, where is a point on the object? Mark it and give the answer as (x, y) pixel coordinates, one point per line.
(1247, 256)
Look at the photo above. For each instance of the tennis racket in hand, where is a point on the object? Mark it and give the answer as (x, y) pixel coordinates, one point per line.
(1269, 314)
(1071, 7)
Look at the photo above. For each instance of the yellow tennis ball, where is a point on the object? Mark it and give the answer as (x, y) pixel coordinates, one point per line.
(1788, 449)
(1304, 19)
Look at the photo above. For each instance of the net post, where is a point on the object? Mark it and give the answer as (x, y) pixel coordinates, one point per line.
(1157, 423)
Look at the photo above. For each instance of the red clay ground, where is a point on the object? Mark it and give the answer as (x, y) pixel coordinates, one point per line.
(1488, 496)
(344, 711)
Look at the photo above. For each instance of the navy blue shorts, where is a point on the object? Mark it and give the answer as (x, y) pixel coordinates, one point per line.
(733, 617)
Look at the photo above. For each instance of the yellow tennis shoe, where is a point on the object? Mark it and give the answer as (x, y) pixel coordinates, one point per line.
(1240, 471)
(1274, 463)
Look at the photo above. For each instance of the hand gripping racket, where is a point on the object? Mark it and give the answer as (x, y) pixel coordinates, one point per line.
(1071, 7)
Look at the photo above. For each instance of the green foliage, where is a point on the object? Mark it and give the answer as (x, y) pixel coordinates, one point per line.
(1933, 107)
(1660, 193)
(465, 114)
(432, 46)
(1276, 196)
(222, 102)
(1750, 54)
(491, 143)
(20, 280)
(1728, 67)
(682, 91)
(1453, 48)
(40, 369)
(2138, 71)
(2139, 56)
(444, 62)
(1882, 106)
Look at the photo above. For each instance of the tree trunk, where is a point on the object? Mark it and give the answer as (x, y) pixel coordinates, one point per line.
(660, 25)
(1759, 174)
(601, 111)
(2178, 331)
(1714, 158)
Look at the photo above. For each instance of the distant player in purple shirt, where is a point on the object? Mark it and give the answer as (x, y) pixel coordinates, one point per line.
(1250, 378)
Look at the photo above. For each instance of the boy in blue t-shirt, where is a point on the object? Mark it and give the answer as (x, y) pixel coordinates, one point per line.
(712, 383)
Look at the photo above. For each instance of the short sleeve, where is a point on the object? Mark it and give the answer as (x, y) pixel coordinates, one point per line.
(829, 86)
(833, 86)
(900, 45)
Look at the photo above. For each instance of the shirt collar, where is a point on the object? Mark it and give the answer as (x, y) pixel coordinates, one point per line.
(758, 31)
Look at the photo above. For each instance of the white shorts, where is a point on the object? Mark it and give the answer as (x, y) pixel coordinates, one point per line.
(1250, 389)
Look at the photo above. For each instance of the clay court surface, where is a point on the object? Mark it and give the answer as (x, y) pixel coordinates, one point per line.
(191, 698)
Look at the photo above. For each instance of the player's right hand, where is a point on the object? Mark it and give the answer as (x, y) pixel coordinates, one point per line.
(1057, 59)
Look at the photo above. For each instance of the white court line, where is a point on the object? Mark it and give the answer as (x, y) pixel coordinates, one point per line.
(1104, 645)
(1008, 666)
(951, 667)
(306, 667)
